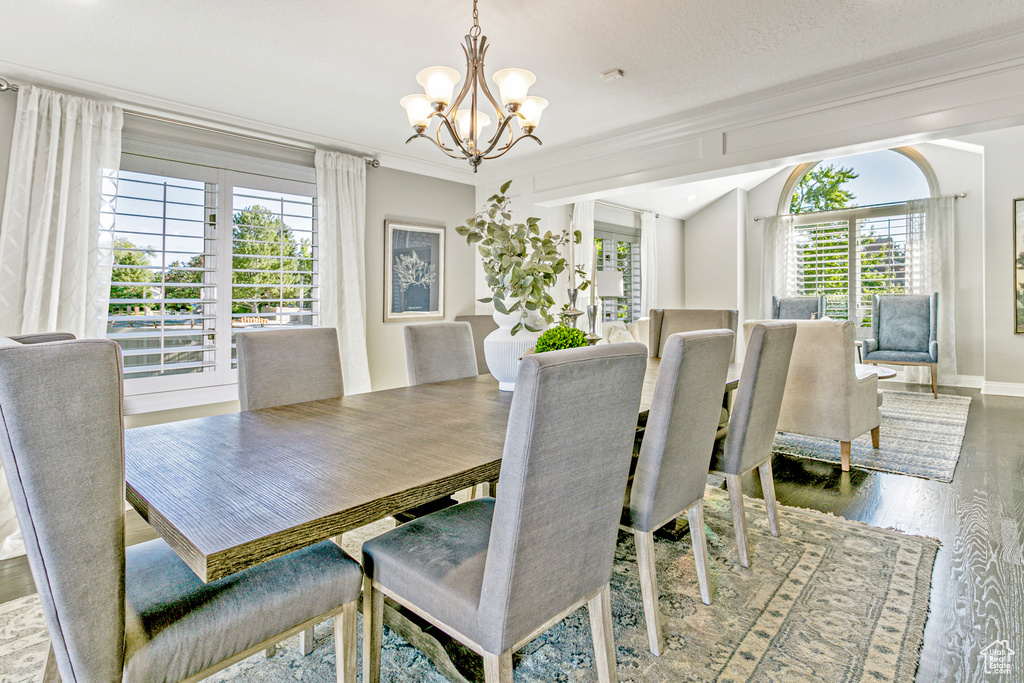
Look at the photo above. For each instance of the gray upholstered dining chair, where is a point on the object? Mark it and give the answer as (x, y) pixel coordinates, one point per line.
(279, 367)
(284, 366)
(755, 414)
(482, 326)
(798, 307)
(671, 470)
(137, 613)
(904, 331)
(495, 573)
(435, 352)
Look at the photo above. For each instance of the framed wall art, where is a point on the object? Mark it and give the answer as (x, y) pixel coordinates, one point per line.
(413, 271)
(1018, 265)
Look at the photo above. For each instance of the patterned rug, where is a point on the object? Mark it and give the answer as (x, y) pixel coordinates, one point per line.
(829, 600)
(920, 436)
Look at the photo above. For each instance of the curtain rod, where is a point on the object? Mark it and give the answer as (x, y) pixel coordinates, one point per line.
(6, 85)
(959, 195)
(624, 208)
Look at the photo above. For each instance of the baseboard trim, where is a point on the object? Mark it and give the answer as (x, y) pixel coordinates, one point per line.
(1003, 389)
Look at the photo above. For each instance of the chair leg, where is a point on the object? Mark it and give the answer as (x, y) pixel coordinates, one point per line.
(739, 520)
(935, 380)
(600, 609)
(345, 659)
(764, 470)
(700, 549)
(844, 452)
(649, 588)
(876, 435)
(271, 651)
(373, 631)
(306, 641)
(50, 672)
(498, 668)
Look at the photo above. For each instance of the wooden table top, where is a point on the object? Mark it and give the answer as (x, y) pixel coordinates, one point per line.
(231, 491)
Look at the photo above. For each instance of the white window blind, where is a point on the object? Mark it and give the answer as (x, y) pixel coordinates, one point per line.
(881, 261)
(823, 264)
(618, 247)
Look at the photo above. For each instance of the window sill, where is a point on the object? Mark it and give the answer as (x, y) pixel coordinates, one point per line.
(137, 404)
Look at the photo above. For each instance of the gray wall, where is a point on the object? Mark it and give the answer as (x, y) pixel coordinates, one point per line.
(394, 194)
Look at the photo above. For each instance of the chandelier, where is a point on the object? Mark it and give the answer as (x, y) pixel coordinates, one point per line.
(465, 121)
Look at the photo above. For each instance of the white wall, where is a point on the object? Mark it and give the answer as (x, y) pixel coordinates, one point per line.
(715, 248)
(671, 263)
(394, 194)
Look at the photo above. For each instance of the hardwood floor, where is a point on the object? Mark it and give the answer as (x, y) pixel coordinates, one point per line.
(978, 582)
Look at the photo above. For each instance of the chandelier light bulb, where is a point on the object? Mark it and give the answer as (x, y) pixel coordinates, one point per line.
(530, 113)
(462, 123)
(513, 84)
(438, 83)
(418, 109)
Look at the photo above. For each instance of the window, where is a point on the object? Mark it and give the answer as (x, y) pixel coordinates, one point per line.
(201, 252)
(618, 247)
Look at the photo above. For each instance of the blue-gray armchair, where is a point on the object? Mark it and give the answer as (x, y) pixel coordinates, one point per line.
(904, 331)
(797, 307)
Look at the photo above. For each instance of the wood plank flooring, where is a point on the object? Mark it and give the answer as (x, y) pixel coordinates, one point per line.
(978, 581)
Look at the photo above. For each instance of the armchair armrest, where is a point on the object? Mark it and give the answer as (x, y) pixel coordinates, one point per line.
(42, 337)
(870, 346)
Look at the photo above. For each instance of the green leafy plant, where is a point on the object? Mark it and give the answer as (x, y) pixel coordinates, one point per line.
(520, 263)
(560, 337)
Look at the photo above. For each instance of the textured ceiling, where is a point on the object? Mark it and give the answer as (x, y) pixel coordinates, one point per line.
(337, 69)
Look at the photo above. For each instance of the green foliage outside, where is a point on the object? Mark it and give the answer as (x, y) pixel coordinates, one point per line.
(520, 263)
(825, 251)
(260, 241)
(560, 337)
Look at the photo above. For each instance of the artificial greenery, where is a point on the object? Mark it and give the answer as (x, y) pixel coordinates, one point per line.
(520, 263)
(560, 337)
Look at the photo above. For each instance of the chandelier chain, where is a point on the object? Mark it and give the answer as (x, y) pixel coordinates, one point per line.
(475, 31)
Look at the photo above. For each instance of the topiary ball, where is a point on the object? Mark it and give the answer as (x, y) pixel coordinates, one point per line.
(560, 337)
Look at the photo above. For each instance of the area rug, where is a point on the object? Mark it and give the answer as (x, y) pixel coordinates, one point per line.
(920, 436)
(829, 600)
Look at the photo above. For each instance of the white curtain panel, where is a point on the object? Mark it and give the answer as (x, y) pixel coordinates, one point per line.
(55, 252)
(55, 260)
(341, 217)
(778, 274)
(648, 262)
(583, 220)
(931, 268)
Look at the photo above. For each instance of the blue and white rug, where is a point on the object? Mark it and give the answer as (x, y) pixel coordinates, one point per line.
(921, 436)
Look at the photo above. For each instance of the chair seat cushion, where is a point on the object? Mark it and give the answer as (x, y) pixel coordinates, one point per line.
(437, 562)
(178, 626)
(899, 357)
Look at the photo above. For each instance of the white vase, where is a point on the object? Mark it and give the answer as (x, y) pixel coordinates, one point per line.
(502, 349)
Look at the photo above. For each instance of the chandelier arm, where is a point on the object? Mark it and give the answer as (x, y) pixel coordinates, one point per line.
(454, 106)
(454, 136)
(435, 143)
(512, 144)
(482, 79)
(497, 138)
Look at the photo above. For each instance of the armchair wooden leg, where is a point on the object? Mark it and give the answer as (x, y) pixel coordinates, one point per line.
(50, 672)
(649, 588)
(271, 651)
(700, 551)
(764, 470)
(844, 451)
(739, 520)
(373, 631)
(345, 643)
(935, 380)
(876, 435)
(600, 608)
(498, 668)
(306, 641)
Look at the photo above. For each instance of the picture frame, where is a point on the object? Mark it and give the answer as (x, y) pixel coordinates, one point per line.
(413, 271)
(1018, 265)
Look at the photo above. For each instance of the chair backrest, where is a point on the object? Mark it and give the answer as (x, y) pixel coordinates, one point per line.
(797, 307)
(668, 321)
(680, 435)
(63, 454)
(755, 409)
(821, 376)
(567, 452)
(482, 326)
(905, 322)
(435, 352)
(278, 367)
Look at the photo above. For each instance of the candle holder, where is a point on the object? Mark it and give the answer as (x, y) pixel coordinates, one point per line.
(592, 338)
(570, 315)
